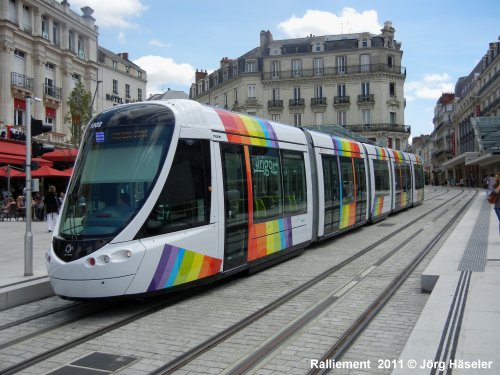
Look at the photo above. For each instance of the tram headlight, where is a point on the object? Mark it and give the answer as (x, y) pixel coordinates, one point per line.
(128, 253)
(106, 258)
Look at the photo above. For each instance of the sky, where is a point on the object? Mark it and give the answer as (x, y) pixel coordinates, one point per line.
(441, 40)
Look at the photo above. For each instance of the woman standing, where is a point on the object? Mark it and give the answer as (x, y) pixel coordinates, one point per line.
(51, 202)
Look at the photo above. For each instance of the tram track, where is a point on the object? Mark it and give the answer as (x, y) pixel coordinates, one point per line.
(200, 349)
(197, 351)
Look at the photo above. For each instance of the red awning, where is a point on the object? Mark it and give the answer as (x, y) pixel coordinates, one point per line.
(20, 104)
(50, 112)
(15, 153)
(13, 172)
(45, 171)
(61, 155)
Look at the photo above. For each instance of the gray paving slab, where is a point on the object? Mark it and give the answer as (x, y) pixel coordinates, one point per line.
(474, 346)
(15, 288)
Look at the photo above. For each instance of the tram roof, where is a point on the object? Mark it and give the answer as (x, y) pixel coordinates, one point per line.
(192, 114)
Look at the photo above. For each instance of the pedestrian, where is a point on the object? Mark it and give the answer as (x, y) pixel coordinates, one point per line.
(497, 203)
(490, 183)
(51, 202)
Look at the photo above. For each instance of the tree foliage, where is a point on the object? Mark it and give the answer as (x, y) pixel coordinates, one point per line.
(79, 115)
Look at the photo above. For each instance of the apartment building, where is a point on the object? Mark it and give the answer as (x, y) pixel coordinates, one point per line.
(466, 141)
(45, 48)
(352, 80)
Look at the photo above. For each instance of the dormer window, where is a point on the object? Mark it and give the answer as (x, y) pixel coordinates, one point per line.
(364, 42)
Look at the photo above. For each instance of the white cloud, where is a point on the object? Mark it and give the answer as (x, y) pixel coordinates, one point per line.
(430, 87)
(323, 23)
(159, 43)
(111, 13)
(164, 72)
(122, 38)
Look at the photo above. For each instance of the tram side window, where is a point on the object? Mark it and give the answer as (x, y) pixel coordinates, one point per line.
(398, 178)
(419, 177)
(185, 199)
(347, 180)
(294, 182)
(407, 177)
(381, 171)
(359, 165)
(332, 194)
(266, 183)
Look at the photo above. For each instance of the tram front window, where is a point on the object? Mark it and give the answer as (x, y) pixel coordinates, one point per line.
(119, 164)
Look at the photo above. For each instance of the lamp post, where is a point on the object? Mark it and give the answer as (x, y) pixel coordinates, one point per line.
(93, 98)
(28, 237)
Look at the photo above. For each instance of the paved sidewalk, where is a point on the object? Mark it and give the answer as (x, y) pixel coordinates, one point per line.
(459, 329)
(15, 288)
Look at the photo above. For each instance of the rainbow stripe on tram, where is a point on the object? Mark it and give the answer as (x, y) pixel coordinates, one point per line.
(344, 147)
(247, 130)
(378, 205)
(179, 266)
(270, 237)
(347, 215)
(381, 153)
(398, 156)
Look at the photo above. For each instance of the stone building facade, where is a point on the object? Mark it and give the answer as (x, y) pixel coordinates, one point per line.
(45, 48)
(353, 80)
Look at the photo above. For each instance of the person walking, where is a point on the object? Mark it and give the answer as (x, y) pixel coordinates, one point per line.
(51, 202)
(496, 189)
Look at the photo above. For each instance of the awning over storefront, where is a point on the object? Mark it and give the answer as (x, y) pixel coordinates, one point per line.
(487, 132)
(15, 153)
(68, 155)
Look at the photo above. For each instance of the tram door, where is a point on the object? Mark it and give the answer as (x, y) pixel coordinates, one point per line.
(235, 205)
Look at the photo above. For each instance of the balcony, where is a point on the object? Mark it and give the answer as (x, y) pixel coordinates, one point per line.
(275, 104)
(296, 103)
(335, 71)
(318, 102)
(337, 100)
(364, 128)
(18, 80)
(52, 92)
(369, 98)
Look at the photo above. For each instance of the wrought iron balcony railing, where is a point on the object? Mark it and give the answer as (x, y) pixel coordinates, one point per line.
(335, 71)
(20, 80)
(341, 100)
(296, 103)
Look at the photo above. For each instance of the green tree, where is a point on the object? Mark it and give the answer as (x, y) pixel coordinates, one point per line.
(79, 112)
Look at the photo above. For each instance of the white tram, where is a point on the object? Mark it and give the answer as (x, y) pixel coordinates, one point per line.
(170, 194)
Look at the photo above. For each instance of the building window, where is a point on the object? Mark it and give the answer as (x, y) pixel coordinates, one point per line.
(318, 66)
(71, 41)
(275, 117)
(392, 116)
(76, 77)
(318, 118)
(364, 42)
(365, 63)
(318, 92)
(225, 100)
(235, 91)
(251, 92)
(139, 94)
(390, 61)
(341, 91)
(367, 116)
(55, 33)
(365, 89)
(342, 118)
(297, 119)
(115, 87)
(340, 64)
(139, 74)
(392, 89)
(45, 27)
(275, 69)
(276, 93)
(127, 90)
(296, 68)
(19, 54)
(296, 93)
(250, 66)
(115, 65)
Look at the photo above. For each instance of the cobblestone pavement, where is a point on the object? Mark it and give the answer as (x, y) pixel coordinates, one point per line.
(159, 338)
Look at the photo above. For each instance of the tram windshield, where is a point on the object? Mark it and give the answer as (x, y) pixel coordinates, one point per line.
(122, 154)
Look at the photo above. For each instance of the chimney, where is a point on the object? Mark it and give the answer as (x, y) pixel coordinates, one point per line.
(199, 75)
(265, 39)
(123, 55)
